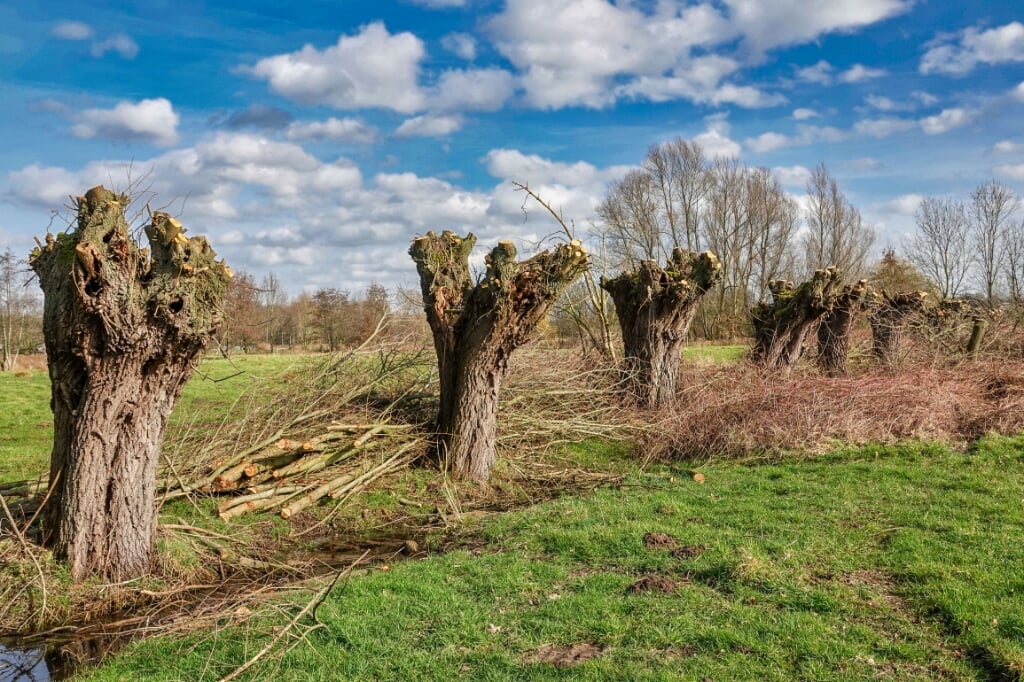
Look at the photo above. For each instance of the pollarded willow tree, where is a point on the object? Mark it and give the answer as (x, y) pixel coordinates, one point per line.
(655, 307)
(781, 326)
(123, 327)
(476, 325)
(889, 316)
(835, 328)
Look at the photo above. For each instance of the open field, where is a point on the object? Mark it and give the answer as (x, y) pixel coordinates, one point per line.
(880, 563)
(898, 562)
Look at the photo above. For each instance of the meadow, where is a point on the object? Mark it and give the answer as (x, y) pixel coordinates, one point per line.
(890, 561)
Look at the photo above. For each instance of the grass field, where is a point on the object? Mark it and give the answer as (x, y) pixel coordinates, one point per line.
(899, 563)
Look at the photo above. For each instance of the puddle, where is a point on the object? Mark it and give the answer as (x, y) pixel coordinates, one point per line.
(24, 665)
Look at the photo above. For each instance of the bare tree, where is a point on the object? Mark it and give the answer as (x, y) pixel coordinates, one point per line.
(837, 235)
(124, 326)
(15, 305)
(782, 326)
(940, 246)
(992, 208)
(1015, 263)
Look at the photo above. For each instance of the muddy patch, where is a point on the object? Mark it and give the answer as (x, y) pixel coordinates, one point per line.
(688, 551)
(660, 541)
(654, 584)
(563, 656)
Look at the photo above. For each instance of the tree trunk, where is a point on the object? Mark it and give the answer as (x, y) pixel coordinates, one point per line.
(978, 328)
(888, 318)
(655, 308)
(781, 327)
(123, 330)
(835, 329)
(476, 327)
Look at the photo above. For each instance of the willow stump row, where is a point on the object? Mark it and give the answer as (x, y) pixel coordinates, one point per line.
(655, 307)
(781, 327)
(124, 326)
(835, 328)
(476, 326)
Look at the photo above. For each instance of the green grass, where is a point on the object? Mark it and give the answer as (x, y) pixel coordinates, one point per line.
(880, 563)
(26, 423)
(715, 353)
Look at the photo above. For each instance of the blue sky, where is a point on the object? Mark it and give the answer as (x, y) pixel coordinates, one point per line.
(314, 139)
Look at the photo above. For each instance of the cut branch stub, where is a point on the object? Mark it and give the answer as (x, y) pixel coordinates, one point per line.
(782, 326)
(836, 327)
(123, 326)
(655, 307)
(476, 326)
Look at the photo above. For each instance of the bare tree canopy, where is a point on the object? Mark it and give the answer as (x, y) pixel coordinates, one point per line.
(16, 308)
(939, 248)
(837, 236)
(991, 213)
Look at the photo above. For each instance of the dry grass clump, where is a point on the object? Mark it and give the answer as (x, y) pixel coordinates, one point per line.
(741, 412)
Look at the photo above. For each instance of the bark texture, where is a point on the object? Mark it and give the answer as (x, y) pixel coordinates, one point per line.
(123, 327)
(476, 326)
(889, 317)
(655, 307)
(781, 326)
(835, 328)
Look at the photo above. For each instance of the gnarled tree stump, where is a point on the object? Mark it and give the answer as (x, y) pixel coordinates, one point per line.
(655, 307)
(123, 329)
(782, 326)
(476, 326)
(835, 328)
(889, 316)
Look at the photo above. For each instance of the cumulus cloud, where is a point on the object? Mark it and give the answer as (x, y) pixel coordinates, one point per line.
(1018, 92)
(883, 127)
(460, 44)
(372, 68)
(947, 120)
(120, 44)
(865, 164)
(270, 204)
(904, 205)
(792, 176)
(765, 24)
(805, 135)
(858, 73)
(440, 4)
(803, 113)
(472, 90)
(1008, 147)
(72, 30)
(149, 120)
(340, 129)
(429, 126)
(1011, 171)
(820, 73)
(960, 53)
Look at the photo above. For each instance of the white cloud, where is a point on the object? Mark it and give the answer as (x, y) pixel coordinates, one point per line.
(1018, 92)
(1011, 171)
(865, 164)
(472, 90)
(72, 30)
(925, 98)
(859, 73)
(947, 120)
(883, 127)
(962, 52)
(372, 68)
(429, 126)
(575, 52)
(820, 73)
(41, 186)
(149, 120)
(1008, 147)
(792, 176)
(805, 135)
(715, 141)
(802, 114)
(904, 205)
(119, 43)
(460, 44)
(773, 23)
(344, 129)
